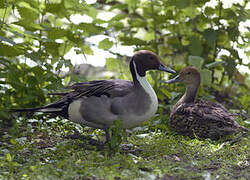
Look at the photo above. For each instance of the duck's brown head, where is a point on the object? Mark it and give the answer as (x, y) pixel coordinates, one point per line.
(189, 75)
(144, 60)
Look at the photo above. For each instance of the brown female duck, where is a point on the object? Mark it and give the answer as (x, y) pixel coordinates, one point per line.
(200, 118)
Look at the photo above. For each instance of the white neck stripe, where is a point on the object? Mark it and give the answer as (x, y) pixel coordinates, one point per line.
(144, 82)
(149, 90)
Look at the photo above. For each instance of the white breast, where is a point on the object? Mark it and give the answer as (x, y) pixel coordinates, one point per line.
(150, 91)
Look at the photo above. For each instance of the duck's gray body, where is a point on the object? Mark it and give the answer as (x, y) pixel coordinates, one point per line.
(120, 100)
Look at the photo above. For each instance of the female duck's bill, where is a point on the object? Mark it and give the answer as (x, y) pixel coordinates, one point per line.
(174, 80)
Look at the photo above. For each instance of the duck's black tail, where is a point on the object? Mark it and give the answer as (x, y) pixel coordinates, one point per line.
(59, 108)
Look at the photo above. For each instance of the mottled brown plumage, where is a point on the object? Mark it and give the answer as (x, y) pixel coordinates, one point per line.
(200, 118)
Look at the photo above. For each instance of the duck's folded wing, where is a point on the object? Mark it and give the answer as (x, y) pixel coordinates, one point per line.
(206, 111)
(110, 88)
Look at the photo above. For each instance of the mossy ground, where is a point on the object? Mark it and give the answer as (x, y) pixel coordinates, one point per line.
(42, 151)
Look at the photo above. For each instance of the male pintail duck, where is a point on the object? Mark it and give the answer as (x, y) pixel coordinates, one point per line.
(204, 119)
(99, 103)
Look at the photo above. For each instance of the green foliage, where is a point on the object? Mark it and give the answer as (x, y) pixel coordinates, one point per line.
(180, 31)
(105, 44)
(36, 35)
(195, 61)
(118, 136)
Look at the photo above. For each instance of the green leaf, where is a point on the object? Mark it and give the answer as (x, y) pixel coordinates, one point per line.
(118, 17)
(105, 44)
(149, 36)
(92, 12)
(28, 25)
(64, 48)
(52, 48)
(117, 6)
(68, 4)
(11, 51)
(195, 46)
(56, 33)
(91, 28)
(206, 77)
(137, 22)
(112, 64)
(230, 66)
(67, 80)
(181, 4)
(117, 25)
(223, 39)
(196, 61)
(3, 3)
(28, 14)
(132, 41)
(210, 35)
(166, 92)
(9, 157)
(209, 11)
(132, 5)
(244, 100)
(87, 50)
(57, 9)
(13, 141)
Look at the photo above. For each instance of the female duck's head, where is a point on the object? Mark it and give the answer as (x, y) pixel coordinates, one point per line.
(189, 75)
(192, 78)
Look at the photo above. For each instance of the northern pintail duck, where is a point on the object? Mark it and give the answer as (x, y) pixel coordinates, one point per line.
(200, 118)
(99, 103)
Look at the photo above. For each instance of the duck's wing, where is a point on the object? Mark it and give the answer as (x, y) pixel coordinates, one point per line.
(110, 88)
(204, 118)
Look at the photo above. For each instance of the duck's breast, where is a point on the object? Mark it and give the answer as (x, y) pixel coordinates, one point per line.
(135, 108)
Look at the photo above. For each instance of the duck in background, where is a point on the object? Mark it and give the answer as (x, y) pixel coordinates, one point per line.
(204, 119)
(99, 103)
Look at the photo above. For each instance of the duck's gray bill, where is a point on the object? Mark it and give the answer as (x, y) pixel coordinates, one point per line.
(164, 68)
(174, 80)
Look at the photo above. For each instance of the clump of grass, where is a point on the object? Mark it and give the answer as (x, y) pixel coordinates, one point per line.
(45, 153)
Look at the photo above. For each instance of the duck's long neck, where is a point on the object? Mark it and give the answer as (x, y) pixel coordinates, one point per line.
(140, 79)
(141, 84)
(137, 79)
(190, 94)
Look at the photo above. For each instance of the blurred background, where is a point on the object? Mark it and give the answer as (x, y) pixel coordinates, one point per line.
(46, 45)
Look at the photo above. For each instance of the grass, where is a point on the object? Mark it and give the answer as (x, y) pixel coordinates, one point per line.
(42, 151)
